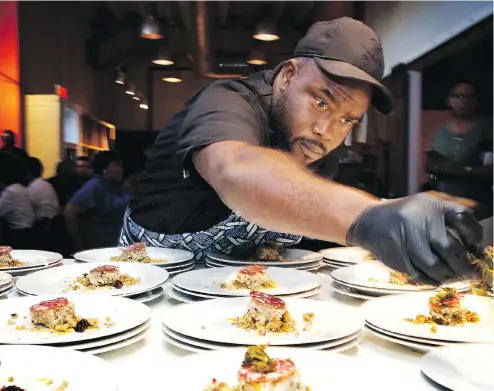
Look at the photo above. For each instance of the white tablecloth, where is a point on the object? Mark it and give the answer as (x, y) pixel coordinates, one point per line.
(143, 366)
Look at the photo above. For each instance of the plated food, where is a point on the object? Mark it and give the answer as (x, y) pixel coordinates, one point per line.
(251, 277)
(269, 252)
(105, 276)
(445, 309)
(265, 313)
(260, 372)
(485, 267)
(57, 315)
(42, 368)
(136, 252)
(6, 259)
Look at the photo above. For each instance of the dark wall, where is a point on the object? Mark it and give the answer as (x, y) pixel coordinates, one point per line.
(474, 64)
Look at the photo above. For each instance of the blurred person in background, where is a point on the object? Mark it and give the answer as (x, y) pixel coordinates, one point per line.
(44, 201)
(83, 169)
(17, 216)
(465, 141)
(94, 214)
(66, 181)
(8, 138)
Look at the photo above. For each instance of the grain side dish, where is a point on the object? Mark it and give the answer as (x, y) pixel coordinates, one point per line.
(252, 277)
(106, 276)
(136, 252)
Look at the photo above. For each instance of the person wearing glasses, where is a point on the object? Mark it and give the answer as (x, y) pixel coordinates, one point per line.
(465, 142)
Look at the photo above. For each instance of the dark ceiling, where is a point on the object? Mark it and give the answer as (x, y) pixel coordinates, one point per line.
(114, 32)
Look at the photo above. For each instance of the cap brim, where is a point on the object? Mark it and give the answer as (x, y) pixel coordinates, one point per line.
(382, 99)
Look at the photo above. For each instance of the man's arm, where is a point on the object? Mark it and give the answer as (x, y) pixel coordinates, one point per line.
(70, 214)
(267, 187)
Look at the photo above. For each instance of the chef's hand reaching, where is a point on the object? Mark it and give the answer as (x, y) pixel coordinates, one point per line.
(419, 235)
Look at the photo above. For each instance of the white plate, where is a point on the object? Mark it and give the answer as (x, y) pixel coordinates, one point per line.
(171, 256)
(343, 373)
(148, 296)
(208, 320)
(6, 292)
(389, 313)
(346, 255)
(28, 364)
(5, 278)
(33, 258)
(83, 346)
(413, 339)
(25, 272)
(57, 281)
(125, 313)
(117, 345)
(288, 281)
(375, 275)
(182, 297)
(335, 264)
(181, 265)
(177, 271)
(308, 266)
(312, 292)
(216, 345)
(465, 367)
(183, 345)
(291, 256)
(370, 291)
(416, 346)
(347, 291)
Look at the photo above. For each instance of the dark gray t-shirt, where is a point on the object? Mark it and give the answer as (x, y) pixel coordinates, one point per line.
(170, 197)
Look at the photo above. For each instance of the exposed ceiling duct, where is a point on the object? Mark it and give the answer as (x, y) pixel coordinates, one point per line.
(203, 56)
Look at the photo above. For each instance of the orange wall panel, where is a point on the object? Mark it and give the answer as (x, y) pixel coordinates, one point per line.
(10, 107)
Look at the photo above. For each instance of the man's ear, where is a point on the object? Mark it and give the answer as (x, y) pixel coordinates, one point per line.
(290, 69)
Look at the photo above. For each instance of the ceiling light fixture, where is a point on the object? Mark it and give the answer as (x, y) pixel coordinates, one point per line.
(130, 89)
(173, 77)
(266, 31)
(120, 79)
(257, 58)
(151, 29)
(163, 57)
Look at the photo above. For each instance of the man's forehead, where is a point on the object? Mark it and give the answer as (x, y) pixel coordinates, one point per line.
(464, 88)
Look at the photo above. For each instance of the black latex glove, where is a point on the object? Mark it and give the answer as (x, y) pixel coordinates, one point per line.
(418, 235)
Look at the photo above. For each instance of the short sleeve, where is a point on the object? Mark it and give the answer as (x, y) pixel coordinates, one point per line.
(85, 197)
(220, 113)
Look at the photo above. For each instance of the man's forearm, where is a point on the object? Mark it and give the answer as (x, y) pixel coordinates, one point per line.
(270, 189)
(72, 225)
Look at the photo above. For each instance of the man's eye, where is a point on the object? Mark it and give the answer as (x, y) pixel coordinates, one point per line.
(321, 105)
(347, 122)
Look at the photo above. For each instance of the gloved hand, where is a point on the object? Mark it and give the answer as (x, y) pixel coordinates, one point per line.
(419, 235)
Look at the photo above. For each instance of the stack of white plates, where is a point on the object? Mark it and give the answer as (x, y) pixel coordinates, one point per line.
(371, 279)
(319, 370)
(122, 323)
(459, 368)
(60, 280)
(385, 317)
(345, 256)
(207, 325)
(173, 261)
(292, 258)
(45, 368)
(6, 284)
(199, 285)
(33, 260)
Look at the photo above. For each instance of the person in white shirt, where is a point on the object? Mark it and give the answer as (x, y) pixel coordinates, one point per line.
(41, 193)
(17, 216)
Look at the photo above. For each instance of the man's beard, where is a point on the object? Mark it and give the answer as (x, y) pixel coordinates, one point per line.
(280, 124)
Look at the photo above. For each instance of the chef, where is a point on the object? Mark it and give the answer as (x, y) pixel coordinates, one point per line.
(250, 161)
